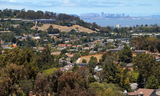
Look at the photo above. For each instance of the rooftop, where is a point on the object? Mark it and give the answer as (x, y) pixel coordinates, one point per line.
(139, 51)
(140, 91)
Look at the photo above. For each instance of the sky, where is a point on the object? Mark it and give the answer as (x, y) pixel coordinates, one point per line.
(129, 7)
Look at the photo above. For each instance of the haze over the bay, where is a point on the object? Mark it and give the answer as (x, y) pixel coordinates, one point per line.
(129, 7)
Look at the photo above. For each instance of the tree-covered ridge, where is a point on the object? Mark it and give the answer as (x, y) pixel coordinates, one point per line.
(63, 19)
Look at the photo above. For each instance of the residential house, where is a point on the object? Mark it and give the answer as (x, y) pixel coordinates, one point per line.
(41, 48)
(61, 46)
(143, 92)
(67, 67)
(86, 48)
(17, 37)
(100, 49)
(36, 37)
(97, 69)
(90, 43)
(30, 35)
(7, 48)
(134, 86)
(52, 46)
(110, 40)
(74, 46)
(69, 45)
(128, 68)
(2, 42)
(123, 40)
(67, 39)
(130, 65)
(138, 51)
(70, 55)
(54, 37)
(73, 50)
(79, 46)
(157, 92)
(61, 61)
(92, 52)
(45, 40)
(102, 44)
(92, 46)
(35, 48)
(28, 20)
(50, 35)
(115, 50)
(24, 38)
(14, 45)
(74, 40)
(143, 34)
(60, 39)
(14, 25)
(45, 20)
(55, 53)
(68, 60)
(157, 58)
(66, 42)
(6, 44)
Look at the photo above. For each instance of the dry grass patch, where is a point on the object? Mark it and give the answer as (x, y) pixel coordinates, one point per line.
(44, 27)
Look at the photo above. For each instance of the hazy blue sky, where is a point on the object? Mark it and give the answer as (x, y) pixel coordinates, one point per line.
(131, 7)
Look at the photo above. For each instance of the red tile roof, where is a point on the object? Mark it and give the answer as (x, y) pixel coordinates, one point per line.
(55, 53)
(128, 68)
(70, 55)
(79, 45)
(74, 46)
(69, 45)
(61, 44)
(14, 45)
(41, 48)
(140, 91)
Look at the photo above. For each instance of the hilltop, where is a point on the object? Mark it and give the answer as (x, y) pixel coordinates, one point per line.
(78, 28)
(62, 19)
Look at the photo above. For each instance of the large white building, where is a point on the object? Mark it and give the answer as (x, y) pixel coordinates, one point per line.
(118, 25)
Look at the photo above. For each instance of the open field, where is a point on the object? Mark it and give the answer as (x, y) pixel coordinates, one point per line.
(78, 28)
(87, 58)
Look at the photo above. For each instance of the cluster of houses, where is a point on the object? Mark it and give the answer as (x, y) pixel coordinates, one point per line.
(143, 34)
(24, 37)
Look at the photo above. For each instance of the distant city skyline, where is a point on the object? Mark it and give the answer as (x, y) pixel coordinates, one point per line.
(128, 7)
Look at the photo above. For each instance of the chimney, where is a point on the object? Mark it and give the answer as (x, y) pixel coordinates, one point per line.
(30, 93)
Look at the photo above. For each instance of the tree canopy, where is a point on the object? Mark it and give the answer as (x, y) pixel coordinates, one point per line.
(125, 55)
(145, 64)
(92, 62)
(152, 83)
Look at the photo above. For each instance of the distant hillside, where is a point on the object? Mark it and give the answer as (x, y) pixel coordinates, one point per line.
(62, 19)
(75, 15)
(78, 28)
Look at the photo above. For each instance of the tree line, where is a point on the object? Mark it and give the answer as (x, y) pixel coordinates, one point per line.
(146, 43)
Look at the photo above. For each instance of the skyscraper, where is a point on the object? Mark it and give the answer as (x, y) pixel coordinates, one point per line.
(102, 14)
